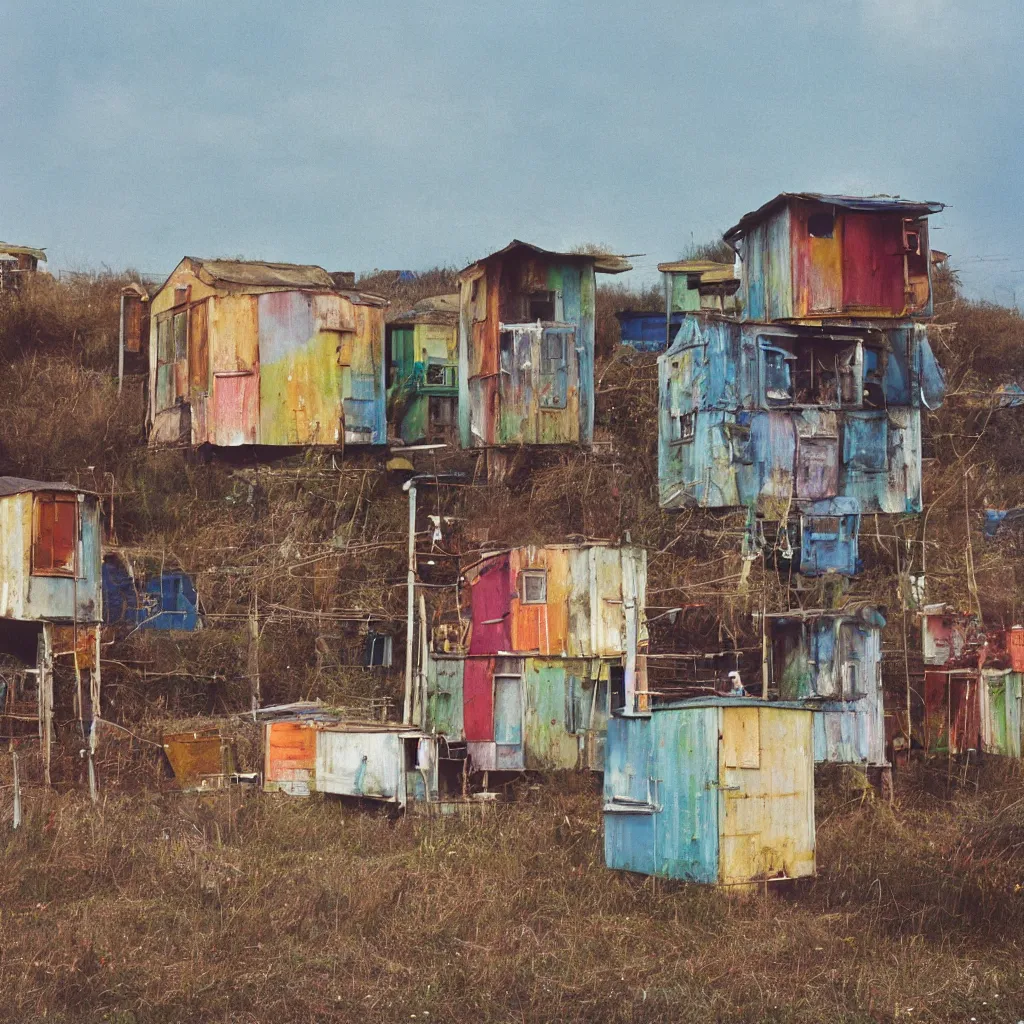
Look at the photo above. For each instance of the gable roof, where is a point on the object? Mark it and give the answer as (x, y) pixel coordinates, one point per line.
(604, 263)
(19, 485)
(254, 276)
(23, 250)
(257, 274)
(860, 204)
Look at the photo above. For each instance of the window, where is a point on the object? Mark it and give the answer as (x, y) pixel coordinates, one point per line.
(505, 345)
(874, 377)
(778, 376)
(553, 380)
(533, 586)
(540, 306)
(683, 426)
(164, 347)
(820, 225)
(182, 293)
(823, 527)
(440, 375)
(552, 357)
(180, 336)
(55, 535)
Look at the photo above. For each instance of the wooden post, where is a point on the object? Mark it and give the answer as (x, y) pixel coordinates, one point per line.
(44, 662)
(253, 660)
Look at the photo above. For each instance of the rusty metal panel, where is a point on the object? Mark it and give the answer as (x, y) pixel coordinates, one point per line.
(235, 408)
(952, 711)
(200, 760)
(290, 757)
(540, 627)
(76, 641)
(767, 807)
(233, 328)
(199, 348)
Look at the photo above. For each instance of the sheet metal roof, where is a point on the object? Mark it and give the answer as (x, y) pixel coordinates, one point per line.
(861, 204)
(437, 309)
(19, 485)
(604, 263)
(257, 274)
(23, 250)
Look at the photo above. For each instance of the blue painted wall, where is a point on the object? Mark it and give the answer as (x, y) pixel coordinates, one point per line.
(168, 601)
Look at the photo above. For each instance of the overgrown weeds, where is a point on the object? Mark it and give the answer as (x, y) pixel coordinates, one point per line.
(234, 907)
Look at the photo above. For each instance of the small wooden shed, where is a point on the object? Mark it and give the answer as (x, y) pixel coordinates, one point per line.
(717, 790)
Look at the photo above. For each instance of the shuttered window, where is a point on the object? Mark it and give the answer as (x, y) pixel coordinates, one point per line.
(54, 534)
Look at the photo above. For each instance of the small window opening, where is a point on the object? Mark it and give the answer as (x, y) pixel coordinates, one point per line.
(540, 306)
(533, 586)
(617, 679)
(552, 352)
(181, 294)
(683, 426)
(821, 527)
(505, 343)
(778, 377)
(820, 225)
(439, 375)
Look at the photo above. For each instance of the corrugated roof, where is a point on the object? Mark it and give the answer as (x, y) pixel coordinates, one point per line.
(604, 263)
(23, 250)
(862, 204)
(19, 485)
(257, 274)
(710, 272)
(437, 309)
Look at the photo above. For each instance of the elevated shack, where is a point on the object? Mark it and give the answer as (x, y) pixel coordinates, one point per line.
(526, 346)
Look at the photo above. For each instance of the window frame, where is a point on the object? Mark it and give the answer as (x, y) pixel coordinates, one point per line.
(56, 499)
(536, 574)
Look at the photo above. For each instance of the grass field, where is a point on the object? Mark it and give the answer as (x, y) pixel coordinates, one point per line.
(232, 908)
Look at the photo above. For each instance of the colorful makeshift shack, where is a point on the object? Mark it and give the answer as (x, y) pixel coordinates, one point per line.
(999, 700)
(972, 684)
(717, 790)
(554, 646)
(264, 353)
(17, 261)
(422, 370)
(51, 604)
(833, 660)
(774, 416)
(812, 257)
(692, 285)
(526, 346)
(954, 649)
(313, 752)
(163, 600)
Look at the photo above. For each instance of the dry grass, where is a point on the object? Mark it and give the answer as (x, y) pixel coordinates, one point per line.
(226, 908)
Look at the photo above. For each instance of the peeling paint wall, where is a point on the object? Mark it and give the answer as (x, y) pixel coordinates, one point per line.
(717, 791)
(734, 430)
(270, 366)
(542, 654)
(523, 380)
(862, 266)
(32, 597)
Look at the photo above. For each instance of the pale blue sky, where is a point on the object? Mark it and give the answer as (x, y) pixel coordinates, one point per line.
(399, 135)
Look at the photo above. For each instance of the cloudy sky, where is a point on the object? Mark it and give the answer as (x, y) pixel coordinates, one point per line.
(400, 135)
